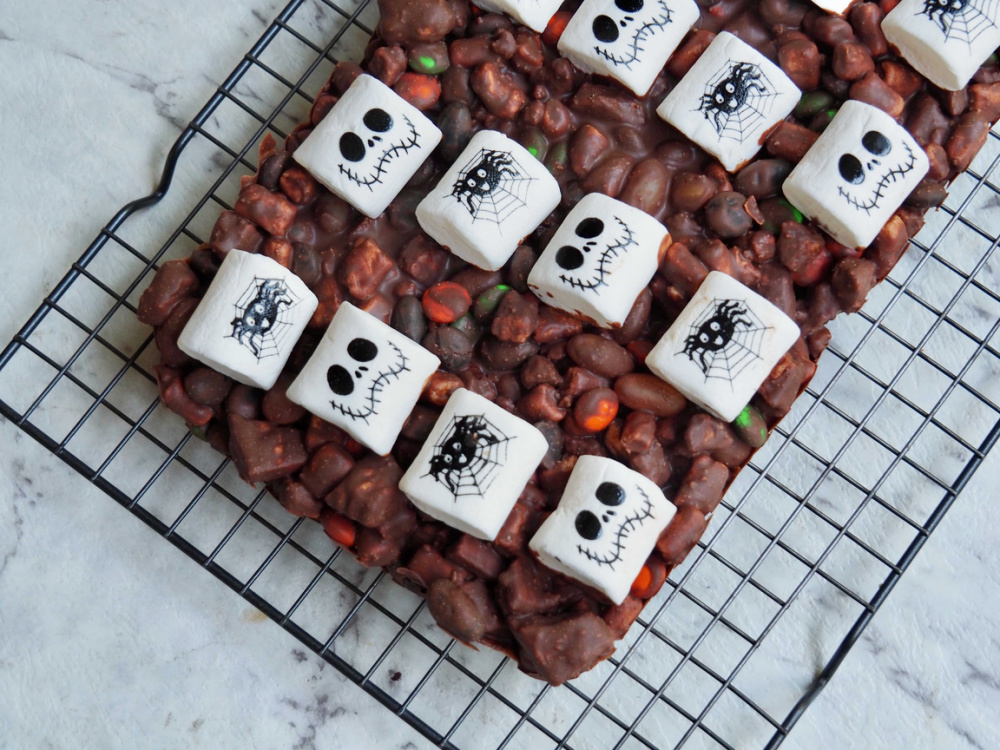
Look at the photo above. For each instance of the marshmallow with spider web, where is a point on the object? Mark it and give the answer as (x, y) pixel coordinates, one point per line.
(535, 14)
(605, 527)
(249, 319)
(473, 465)
(368, 146)
(628, 40)
(856, 174)
(493, 196)
(722, 346)
(599, 260)
(363, 377)
(945, 40)
(729, 100)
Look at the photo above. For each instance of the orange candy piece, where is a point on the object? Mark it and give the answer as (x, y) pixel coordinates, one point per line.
(446, 302)
(650, 579)
(596, 409)
(556, 27)
(339, 528)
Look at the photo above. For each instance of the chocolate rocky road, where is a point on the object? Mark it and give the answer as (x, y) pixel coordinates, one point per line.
(470, 70)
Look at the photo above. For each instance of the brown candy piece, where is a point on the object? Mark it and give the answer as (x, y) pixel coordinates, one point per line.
(173, 282)
(263, 452)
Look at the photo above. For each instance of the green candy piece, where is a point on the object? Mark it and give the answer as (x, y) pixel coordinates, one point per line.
(535, 142)
(488, 301)
(751, 427)
(813, 103)
(796, 214)
(557, 159)
(468, 325)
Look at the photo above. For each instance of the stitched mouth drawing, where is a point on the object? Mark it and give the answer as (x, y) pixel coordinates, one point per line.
(589, 526)
(345, 383)
(605, 30)
(354, 147)
(854, 172)
(569, 257)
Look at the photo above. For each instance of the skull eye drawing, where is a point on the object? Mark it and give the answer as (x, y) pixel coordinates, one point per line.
(377, 142)
(468, 455)
(870, 162)
(609, 524)
(737, 100)
(622, 36)
(593, 253)
(492, 186)
(260, 322)
(724, 339)
(360, 381)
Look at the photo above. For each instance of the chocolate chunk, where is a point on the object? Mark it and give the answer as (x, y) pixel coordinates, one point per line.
(370, 493)
(327, 466)
(173, 282)
(477, 556)
(263, 452)
(463, 610)
(703, 485)
(560, 648)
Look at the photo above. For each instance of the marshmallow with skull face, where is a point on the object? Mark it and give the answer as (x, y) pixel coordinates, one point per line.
(249, 319)
(368, 146)
(364, 377)
(859, 171)
(722, 346)
(473, 465)
(629, 40)
(945, 40)
(535, 14)
(491, 198)
(729, 99)
(599, 260)
(606, 525)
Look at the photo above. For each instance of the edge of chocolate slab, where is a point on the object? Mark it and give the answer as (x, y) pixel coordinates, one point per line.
(468, 70)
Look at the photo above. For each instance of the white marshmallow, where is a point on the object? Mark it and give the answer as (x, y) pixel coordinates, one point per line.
(722, 346)
(493, 196)
(857, 174)
(945, 40)
(629, 40)
(473, 465)
(249, 319)
(837, 7)
(364, 377)
(368, 146)
(599, 260)
(535, 14)
(729, 100)
(606, 525)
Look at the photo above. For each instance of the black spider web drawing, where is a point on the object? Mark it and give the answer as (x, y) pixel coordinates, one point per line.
(262, 321)
(492, 186)
(737, 100)
(725, 339)
(964, 20)
(468, 455)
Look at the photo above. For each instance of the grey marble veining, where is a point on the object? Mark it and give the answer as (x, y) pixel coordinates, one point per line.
(109, 637)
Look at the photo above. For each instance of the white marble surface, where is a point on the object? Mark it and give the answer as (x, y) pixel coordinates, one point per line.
(111, 638)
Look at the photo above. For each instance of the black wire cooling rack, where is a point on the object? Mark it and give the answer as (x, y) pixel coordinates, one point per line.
(811, 539)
